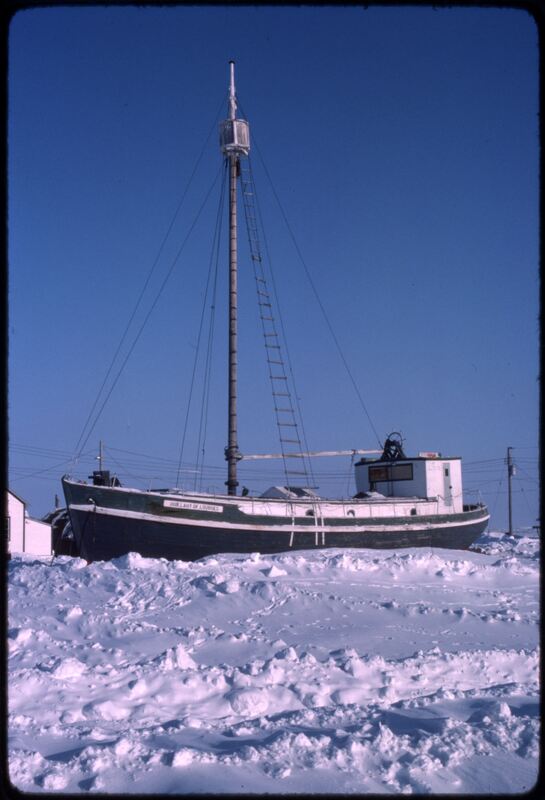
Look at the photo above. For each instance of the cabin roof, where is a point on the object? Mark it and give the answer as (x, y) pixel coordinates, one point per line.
(406, 460)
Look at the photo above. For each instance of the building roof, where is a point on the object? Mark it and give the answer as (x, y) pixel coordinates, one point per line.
(12, 493)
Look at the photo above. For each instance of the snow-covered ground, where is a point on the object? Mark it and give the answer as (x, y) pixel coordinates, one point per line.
(345, 672)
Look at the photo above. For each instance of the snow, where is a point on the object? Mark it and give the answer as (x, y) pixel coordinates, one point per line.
(325, 672)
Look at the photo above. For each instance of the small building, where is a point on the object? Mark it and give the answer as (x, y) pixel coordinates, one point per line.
(23, 533)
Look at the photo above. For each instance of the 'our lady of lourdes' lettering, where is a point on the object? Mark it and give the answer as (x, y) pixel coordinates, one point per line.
(185, 504)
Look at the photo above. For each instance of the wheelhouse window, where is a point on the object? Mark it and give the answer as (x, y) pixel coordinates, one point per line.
(378, 474)
(391, 472)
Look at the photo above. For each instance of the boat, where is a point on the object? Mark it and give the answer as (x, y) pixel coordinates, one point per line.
(399, 501)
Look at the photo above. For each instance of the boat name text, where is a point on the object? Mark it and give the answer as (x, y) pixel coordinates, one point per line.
(192, 506)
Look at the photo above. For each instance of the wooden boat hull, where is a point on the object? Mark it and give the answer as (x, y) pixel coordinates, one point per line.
(108, 523)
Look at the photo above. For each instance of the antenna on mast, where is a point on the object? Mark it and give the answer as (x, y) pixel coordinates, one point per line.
(232, 95)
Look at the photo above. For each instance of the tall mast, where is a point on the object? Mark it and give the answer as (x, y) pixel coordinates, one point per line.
(235, 142)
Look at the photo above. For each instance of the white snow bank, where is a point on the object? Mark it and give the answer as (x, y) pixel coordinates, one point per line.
(329, 671)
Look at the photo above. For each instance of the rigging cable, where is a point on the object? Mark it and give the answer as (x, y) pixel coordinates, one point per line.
(215, 246)
(313, 287)
(208, 368)
(308, 465)
(197, 351)
(135, 478)
(154, 303)
(144, 287)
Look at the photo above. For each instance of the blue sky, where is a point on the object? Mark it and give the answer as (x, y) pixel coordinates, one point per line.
(403, 146)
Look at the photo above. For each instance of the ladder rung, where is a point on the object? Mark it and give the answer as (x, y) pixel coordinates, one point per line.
(287, 410)
(287, 424)
(279, 363)
(278, 378)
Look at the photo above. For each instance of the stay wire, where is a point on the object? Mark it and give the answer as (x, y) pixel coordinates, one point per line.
(155, 301)
(123, 468)
(324, 313)
(203, 421)
(313, 287)
(203, 311)
(282, 329)
(206, 400)
(146, 282)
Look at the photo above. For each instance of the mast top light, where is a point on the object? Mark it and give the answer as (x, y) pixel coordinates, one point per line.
(234, 133)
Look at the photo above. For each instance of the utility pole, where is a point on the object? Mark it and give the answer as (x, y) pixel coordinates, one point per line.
(510, 472)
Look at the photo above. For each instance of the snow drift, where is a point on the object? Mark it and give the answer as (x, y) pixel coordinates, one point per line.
(331, 671)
